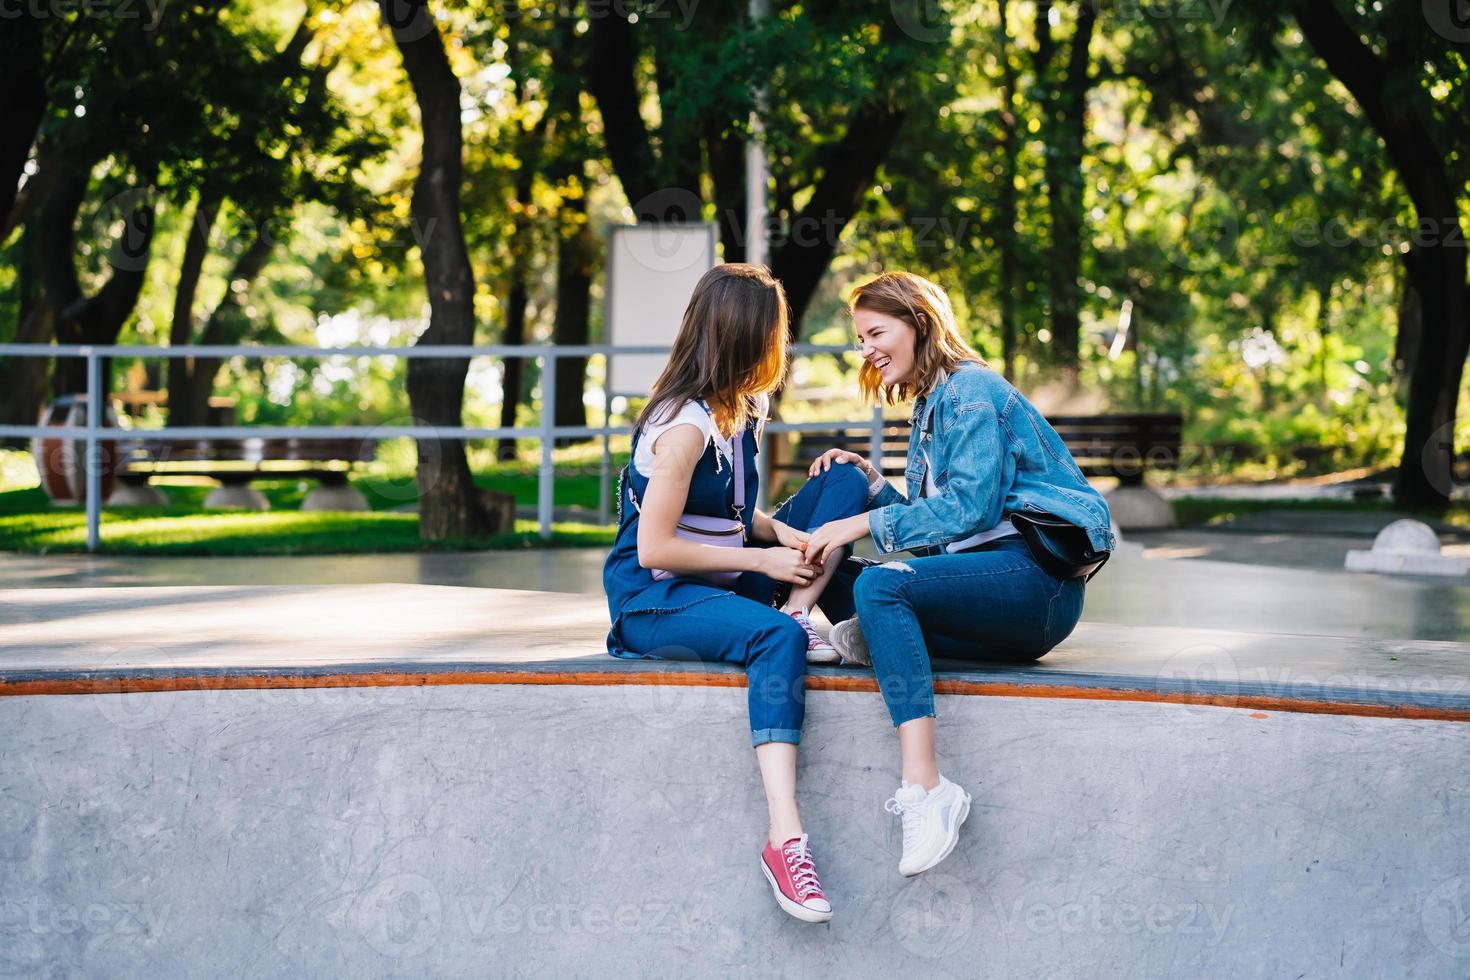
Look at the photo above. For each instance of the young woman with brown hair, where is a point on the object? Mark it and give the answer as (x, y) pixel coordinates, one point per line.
(675, 598)
(978, 452)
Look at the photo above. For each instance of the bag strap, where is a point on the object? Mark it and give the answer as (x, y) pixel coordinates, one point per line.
(739, 462)
(739, 448)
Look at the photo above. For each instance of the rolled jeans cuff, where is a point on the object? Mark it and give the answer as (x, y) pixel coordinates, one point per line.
(761, 736)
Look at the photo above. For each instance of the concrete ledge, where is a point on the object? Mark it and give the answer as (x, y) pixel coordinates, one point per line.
(80, 641)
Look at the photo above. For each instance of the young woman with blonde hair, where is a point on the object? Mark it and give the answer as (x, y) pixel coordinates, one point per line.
(671, 596)
(978, 453)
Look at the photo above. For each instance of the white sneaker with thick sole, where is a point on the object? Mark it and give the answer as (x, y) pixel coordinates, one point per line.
(931, 823)
(847, 637)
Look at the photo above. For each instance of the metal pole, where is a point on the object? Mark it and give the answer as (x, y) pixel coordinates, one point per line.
(548, 442)
(757, 174)
(757, 187)
(604, 512)
(94, 451)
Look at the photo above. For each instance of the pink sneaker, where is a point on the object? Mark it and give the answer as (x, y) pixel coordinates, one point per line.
(793, 879)
(818, 650)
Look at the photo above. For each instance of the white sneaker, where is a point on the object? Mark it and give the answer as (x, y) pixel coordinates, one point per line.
(931, 823)
(847, 637)
(818, 650)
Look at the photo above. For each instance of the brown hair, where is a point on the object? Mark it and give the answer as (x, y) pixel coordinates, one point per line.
(731, 347)
(938, 345)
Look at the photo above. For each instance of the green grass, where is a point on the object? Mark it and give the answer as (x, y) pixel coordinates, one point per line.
(29, 523)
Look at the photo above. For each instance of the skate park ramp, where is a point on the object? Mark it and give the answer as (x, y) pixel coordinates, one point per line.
(430, 781)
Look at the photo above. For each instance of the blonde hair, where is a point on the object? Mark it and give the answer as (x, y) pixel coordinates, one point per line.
(938, 345)
(731, 347)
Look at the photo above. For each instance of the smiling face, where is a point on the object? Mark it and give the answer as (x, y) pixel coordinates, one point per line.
(887, 343)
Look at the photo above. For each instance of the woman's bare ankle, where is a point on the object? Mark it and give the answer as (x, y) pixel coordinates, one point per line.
(780, 833)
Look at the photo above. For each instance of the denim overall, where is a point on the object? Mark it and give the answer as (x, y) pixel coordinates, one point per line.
(687, 618)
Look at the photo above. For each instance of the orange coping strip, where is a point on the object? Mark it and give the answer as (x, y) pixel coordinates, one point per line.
(1007, 689)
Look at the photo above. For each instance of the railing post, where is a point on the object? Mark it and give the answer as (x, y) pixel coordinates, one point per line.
(548, 442)
(604, 482)
(94, 451)
(875, 441)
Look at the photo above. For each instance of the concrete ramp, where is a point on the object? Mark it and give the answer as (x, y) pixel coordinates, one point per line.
(606, 822)
(512, 830)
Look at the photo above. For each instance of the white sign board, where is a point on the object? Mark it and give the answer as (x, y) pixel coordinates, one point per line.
(651, 273)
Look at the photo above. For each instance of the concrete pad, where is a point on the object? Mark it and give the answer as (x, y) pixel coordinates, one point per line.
(94, 634)
(237, 497)
(1139, 508)
(325, 497)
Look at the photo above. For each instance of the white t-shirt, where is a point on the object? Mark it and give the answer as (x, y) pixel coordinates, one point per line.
(1002, 530)
(689, 413)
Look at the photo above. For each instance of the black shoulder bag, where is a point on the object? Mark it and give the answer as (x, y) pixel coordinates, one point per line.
(1059, 546)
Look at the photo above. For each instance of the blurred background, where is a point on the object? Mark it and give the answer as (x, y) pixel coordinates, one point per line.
(1248, 215)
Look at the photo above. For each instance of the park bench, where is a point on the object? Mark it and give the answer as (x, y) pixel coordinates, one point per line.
(236, 463)
(1121, 446)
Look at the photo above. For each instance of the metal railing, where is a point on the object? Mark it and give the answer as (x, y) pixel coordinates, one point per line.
(547, 432)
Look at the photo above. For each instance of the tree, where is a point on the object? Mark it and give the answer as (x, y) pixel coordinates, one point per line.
(1394, 81)
(449, 504)
(826, 152)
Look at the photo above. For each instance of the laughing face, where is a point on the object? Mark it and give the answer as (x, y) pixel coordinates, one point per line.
(887, 343)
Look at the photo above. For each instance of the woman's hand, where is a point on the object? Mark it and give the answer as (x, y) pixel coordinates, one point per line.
(788, 536)
(824, 462)
(831, 537)
(786, 565)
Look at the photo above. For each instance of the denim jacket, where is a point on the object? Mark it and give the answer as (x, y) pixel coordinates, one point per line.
(993, 454)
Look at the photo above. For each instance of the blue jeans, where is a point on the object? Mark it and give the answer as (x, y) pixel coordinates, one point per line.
(742, 627)
(991, 605)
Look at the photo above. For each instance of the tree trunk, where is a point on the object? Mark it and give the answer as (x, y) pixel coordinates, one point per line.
(511, 381)
(849, 166)
(612, 80)
(576, 255)
(1006, 206)
(726, 152)
(1436, 264)
(24, 380)
(227, 324)
(449, 505)
(181, 327)
(1065, 109)
(22, 79)
(98, 318)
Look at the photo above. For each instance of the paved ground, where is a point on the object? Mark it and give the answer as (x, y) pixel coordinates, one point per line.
(1205, 591)
(220, 631)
